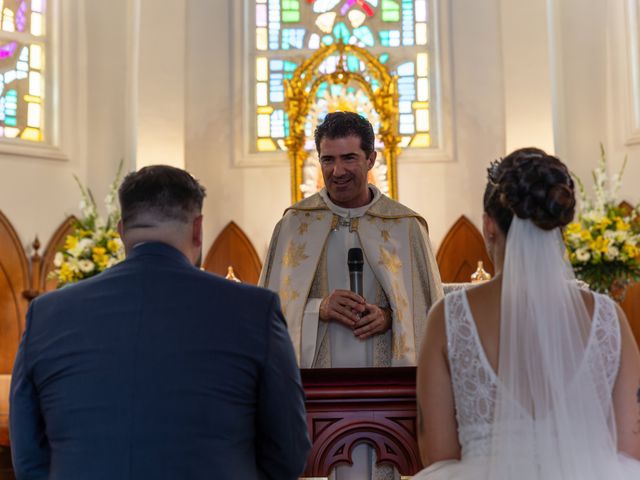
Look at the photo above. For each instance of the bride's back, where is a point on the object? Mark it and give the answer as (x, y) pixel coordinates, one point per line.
(543, 383)
(484, 304)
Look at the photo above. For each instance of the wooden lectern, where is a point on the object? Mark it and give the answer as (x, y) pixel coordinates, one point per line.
(346, 406)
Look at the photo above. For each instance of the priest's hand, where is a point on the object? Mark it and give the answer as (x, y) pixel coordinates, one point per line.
(342, 306)
(376, 320)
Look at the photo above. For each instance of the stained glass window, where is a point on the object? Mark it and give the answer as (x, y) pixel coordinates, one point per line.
(288, 31)
(22, 63)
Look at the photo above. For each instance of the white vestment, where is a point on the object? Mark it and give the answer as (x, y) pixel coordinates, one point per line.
(307, 260)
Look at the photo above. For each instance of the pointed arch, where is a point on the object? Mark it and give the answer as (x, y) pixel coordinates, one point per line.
(14, 280)
(460, 251)
(232, 248)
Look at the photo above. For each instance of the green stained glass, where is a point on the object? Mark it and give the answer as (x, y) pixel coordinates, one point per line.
(390, 11)
(327, 39)
(290, 11)
(384, 58)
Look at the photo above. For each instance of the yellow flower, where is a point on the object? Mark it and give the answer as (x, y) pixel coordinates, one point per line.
(66, 273)
(622, 225)
(99, 256)
(113, 246)
(585, 235)
(70, 242)
(600, 244)
(574, 228)
(603, 224)
(631, 250)
(84, 233)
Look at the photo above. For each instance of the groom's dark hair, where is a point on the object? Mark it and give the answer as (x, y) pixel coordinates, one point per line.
(533, 185)
(163, 192)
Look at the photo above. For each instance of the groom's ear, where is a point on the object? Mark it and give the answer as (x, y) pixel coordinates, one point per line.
(196, 232)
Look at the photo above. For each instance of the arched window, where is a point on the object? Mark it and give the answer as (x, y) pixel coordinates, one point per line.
(398, 32)
(23, 47)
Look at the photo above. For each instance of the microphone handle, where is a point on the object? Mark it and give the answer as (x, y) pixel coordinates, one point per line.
(355, 280)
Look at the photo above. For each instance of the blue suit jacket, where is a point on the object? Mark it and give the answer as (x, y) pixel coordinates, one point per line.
(157, 370)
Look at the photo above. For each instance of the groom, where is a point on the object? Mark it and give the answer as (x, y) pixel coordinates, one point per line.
(155, 369)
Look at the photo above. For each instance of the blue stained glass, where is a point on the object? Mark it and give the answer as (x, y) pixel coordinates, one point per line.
(336, 90)
(406, 69)
(290, 66)
(365, 35)
(327, 39)
(390, 38)
(321, 89)
(384, 58)
(276, 97)
(353, 64)
(276, 65)
(404, 107)
(276, 88)
(408, 22)
(341, 32)
(10, 108)
(407, 125)
(293, 37)
(277, 124)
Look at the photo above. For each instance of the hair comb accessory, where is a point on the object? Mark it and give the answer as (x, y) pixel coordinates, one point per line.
(492, 171)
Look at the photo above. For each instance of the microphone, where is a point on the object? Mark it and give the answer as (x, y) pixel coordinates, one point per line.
(355, 261)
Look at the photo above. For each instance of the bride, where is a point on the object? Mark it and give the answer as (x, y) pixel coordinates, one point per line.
(527, 376)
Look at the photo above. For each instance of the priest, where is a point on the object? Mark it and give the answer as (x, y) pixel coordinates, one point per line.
(330, 325)
(307, 261)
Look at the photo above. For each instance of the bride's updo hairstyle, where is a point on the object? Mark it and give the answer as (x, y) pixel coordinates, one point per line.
(532, 185)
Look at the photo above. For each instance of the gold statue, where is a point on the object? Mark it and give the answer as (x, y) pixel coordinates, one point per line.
(231, 275)
(480, 275)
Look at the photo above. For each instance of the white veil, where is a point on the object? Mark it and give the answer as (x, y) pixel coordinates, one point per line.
(554, 417)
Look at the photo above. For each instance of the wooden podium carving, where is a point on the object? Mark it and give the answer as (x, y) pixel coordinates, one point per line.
(347, 406)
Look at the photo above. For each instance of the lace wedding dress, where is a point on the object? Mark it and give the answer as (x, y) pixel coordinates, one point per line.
(475, 385)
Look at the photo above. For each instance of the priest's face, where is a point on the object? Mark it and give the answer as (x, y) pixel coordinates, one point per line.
(344, 168)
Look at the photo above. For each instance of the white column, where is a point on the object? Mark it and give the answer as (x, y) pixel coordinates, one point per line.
(158, 77)
(527, 69)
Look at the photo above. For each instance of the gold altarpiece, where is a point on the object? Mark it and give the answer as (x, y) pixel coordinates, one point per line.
(300, 96)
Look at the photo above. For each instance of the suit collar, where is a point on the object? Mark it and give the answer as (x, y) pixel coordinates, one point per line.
(158, 249)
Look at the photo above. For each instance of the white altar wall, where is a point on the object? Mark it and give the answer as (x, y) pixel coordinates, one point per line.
(518, 72)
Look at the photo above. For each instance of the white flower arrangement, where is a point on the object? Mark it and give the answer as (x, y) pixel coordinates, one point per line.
(94, 244)
(604, 241)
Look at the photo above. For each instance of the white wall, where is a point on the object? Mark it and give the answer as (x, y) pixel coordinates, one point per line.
(586, 81)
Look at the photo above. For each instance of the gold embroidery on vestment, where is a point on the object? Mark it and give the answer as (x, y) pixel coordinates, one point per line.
(302, 229)
(287, 294)
(334, 222)
(294, 255)
(400, 347)
(390, 260)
